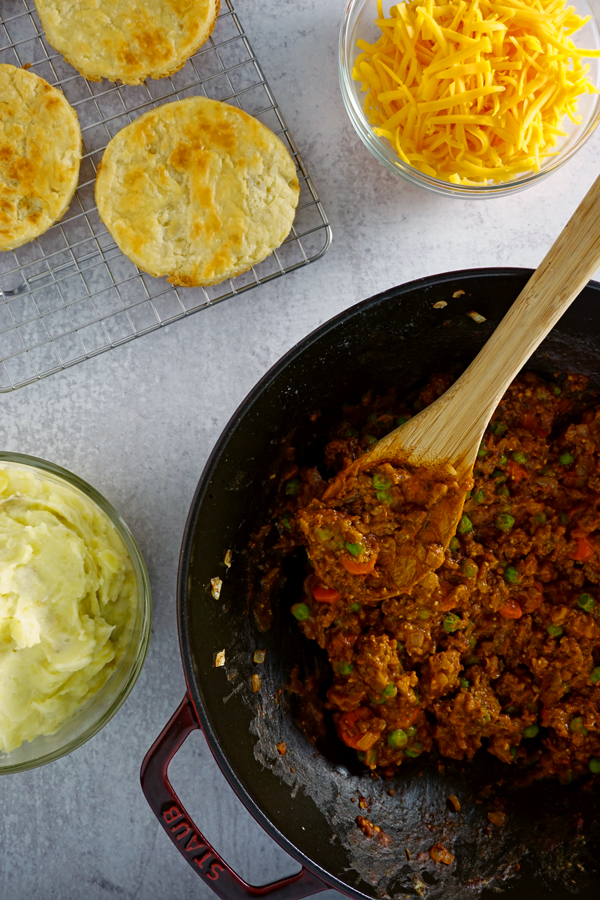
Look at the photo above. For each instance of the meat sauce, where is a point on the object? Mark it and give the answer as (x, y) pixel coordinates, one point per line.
(499, 644)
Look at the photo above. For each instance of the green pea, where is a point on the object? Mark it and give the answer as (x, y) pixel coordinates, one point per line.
(402, 420)
(586, 602)
(361, 755)
(286, 522)
(519, 456)
(594, 765)
(344, 668)
(554, 631)
(384, 497)
(499, 476)
(372, 418)
(399, 646)
(354, 607)
(301, 611)
(355, 549)
(540, 519)
(595, 675)
(417, 749)
(504, 522)
(513, 752)
(502, 461)
(483, 451)
(498, 428)
(292, 486)
(454, 544)
(424, 613)
(411, 732)
(478, 496)
(351, 433)
(565, 459)
(380, 482)
(468, 568)
(324, 534)
(502, 491)
(465, 525)
(577, 727)
(531, 731)
(464, 683)
(397, 739)
(511, 575)
(563, 518)
(389, 691)
(511, 710)
(472, 661)
(468, 495)
(370, 439)
(451, 623)
(556, 390)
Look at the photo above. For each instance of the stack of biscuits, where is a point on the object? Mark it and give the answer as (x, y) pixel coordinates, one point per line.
(194, 190)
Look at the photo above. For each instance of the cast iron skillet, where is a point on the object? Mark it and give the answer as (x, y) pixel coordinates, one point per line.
(309, 801)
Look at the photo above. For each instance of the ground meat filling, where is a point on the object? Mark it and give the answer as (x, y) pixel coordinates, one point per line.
(378, 530)
(500, 645)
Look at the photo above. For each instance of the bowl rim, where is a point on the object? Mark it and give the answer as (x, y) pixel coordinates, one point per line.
(144, 611)
(385, 155)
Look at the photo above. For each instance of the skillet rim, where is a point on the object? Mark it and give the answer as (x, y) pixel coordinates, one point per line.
(432, 281)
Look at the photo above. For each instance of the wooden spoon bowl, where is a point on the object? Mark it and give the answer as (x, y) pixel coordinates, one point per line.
(439, 446)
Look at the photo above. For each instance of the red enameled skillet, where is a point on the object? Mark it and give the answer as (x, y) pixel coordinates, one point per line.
(307, 801)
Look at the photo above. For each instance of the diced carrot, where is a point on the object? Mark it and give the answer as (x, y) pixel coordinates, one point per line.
(530, 422)
(585, 549)
(515, 471)
(511, 609)
(347, 730)
(324, 594)
(354, 567)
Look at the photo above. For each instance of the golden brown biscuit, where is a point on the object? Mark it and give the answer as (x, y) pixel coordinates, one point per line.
(127, 41)
(40, 152)
(197, 190)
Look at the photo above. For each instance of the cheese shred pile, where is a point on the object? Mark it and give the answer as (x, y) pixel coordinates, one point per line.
(474, 91)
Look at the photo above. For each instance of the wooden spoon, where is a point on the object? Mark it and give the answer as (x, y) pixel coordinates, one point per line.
(444, 438)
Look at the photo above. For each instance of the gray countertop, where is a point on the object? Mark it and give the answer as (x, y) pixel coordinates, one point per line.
(140, 421)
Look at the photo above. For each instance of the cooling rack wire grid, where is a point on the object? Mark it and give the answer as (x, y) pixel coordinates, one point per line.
(71, 294)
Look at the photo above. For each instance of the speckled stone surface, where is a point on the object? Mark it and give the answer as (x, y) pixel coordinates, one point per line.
(140, 421)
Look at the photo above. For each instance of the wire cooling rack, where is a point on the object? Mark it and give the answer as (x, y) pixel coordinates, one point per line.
(71, 294)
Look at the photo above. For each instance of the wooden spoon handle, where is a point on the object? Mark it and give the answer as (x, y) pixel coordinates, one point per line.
(452, 427)
(562, 275)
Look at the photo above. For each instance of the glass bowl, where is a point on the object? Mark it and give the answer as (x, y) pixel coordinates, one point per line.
(86, 721)
(358, 22)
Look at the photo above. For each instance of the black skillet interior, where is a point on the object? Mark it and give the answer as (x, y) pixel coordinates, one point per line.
(309, 801)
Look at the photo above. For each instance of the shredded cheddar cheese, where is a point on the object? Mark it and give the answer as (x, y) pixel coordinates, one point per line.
(474, 91)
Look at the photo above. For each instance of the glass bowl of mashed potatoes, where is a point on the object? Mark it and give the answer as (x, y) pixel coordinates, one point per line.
(75, 612)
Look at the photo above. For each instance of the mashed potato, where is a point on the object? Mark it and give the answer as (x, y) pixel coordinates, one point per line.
(67, 603)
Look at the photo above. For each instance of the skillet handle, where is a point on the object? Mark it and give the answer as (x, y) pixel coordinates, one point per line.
(190, 842)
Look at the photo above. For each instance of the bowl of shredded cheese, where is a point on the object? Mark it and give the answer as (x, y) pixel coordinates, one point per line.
(472, 97)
